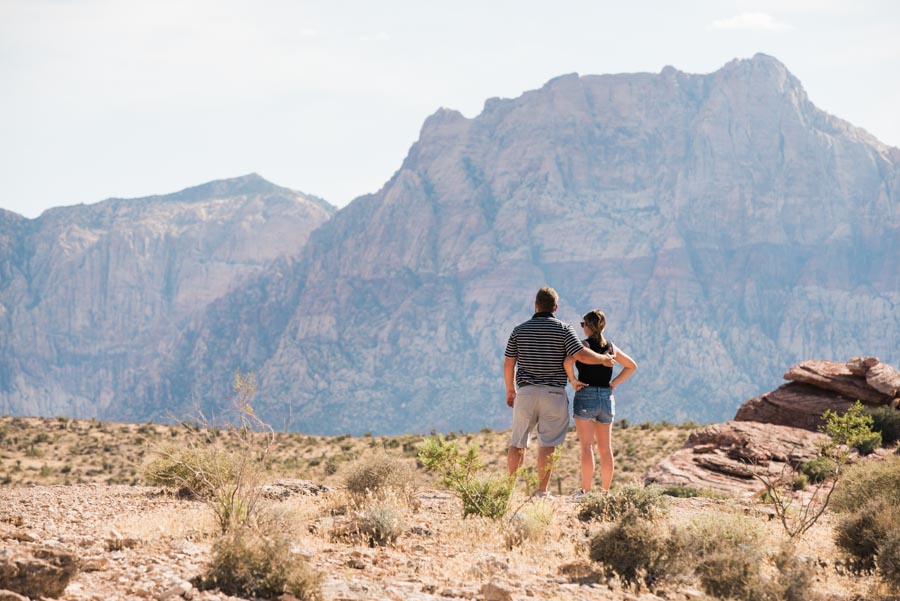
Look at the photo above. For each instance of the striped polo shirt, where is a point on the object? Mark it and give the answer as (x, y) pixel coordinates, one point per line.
(539, 347)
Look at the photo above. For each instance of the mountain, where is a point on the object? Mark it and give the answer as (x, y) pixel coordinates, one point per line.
(92, 298)
(726, 225)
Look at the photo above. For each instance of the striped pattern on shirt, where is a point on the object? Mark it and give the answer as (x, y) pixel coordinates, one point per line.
(539, 347)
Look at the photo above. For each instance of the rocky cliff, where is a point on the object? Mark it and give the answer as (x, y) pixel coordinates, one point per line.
(92, 298)
(726, 225)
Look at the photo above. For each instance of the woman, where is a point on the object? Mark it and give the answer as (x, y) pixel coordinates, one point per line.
(595, 405)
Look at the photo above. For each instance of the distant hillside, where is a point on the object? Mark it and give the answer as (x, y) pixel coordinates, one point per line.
(92, 298)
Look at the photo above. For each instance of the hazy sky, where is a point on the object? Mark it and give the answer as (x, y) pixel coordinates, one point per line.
(103, 98)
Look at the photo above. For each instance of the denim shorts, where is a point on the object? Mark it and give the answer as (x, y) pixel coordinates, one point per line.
(595, 404)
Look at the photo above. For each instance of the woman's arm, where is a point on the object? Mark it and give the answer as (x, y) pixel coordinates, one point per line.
(628, 367)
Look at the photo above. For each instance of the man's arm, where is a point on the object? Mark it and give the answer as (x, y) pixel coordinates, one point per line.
(509, 376)
(586, 355)
(569, 366)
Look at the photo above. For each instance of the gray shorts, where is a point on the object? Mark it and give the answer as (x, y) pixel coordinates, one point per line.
(546, 407)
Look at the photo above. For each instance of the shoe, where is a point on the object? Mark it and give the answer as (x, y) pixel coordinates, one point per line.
(579, 494)
(543, 494)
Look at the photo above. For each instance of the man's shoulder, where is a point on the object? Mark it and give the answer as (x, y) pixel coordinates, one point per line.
(542, 322)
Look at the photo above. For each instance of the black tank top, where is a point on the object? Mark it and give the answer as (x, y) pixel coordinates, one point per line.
(595, 375)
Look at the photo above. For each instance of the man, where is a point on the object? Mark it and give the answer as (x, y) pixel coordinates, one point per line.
(536, 382)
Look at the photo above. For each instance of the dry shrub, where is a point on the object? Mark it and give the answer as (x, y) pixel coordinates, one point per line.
(888, 558)
(729, 557)
(529, 525)
(708, 534)
(796, 577)
(648, 502)
(187, 469)
(380, 475)
(869, 535)
(225, 475)
(379, 523)
(868, 480)
(637, 550)
(248, 562)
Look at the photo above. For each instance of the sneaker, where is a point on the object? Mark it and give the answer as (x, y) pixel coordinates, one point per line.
(543, 494)
(579, 494)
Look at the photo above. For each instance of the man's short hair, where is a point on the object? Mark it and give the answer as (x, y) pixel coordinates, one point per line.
(546, 299)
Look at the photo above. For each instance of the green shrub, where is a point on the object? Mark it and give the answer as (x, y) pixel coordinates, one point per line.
(247, 562)
(868, 444)
(819, 469)
(886, 420)
(637, 549)
(648, 502)
(681, 492)
(379, 475)
(853, 428)
(868, 480)
(486, 496)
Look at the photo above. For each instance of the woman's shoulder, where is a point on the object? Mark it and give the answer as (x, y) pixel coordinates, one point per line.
(594, 345)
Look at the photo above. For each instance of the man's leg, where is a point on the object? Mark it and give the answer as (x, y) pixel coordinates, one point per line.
(514, 459)
(544, 467)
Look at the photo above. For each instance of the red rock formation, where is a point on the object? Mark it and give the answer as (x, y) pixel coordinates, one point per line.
(838, 377)
(725, 457)
(820, 385)
(778, 430)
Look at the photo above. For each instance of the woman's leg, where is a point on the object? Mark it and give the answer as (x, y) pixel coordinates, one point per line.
(603, 432)
(585, 430)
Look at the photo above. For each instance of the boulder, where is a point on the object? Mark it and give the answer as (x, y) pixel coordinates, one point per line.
(792, 404)
(837, 377)
(727, 457)
(36, 572)
(286, 488)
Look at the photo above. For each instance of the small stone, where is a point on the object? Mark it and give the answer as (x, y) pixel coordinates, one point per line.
(493, 592)
(6, 595)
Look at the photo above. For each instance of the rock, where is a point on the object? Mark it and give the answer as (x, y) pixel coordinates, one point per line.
(37, 572)
(283, 489)
(179, 589)
(837, 377)
(494, 592)
(795, 405)
(885, 379)
(727, 457)
(860, 366)
(11, 596)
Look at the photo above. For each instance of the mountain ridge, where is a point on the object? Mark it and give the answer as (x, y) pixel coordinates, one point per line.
(726, 224)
